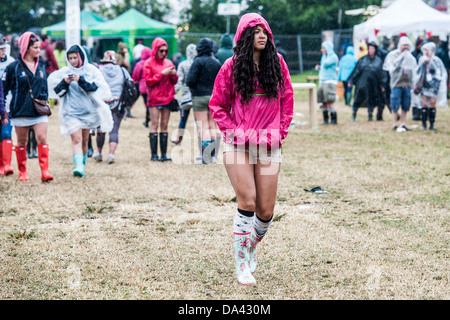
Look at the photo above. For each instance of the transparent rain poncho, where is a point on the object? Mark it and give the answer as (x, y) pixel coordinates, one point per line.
(401, 65)
(80, 109)
(435, 75)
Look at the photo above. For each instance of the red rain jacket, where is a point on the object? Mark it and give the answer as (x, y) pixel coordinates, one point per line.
(160, 88)
(262, 121)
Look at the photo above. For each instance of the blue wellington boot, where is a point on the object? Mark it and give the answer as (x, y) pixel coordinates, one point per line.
(79, 165)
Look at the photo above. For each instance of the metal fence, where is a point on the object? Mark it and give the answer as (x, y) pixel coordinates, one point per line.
(303, 50)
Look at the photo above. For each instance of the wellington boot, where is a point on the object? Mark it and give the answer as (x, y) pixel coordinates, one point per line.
(43, 162)
(153, 137)
(432, 116)
(333, 116)
(163, 138)
(7, 156)
(79, 166)
(254, 240)
(2, 166)
(21, 155)
(325, 116)
(241, 243)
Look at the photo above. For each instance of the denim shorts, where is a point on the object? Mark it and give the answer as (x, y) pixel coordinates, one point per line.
(401, 97)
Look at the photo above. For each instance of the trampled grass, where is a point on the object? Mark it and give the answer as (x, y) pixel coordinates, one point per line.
(143, 230)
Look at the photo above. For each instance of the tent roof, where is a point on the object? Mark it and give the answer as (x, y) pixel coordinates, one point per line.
(88, 19)
(132, 22)
(407, 16)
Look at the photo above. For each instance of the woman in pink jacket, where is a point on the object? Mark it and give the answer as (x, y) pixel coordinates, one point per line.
(161, 76)
(252, 103)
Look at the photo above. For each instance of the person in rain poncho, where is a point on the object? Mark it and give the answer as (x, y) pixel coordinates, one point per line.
(401, 65)
(432, 83)
(363, 50)
(370, 81)
(346, 66)
(81, 88)
(326, 95)
(186, 96)
(115, 77)
(257, 86)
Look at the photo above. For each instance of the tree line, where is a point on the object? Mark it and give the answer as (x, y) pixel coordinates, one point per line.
(285, 16)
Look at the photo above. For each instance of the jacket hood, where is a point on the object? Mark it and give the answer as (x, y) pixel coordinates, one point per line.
(328, 47)
(191, 51)
(204, 47)
(350, 50)
(24, 41)
(250, 20)
(429, 46)
(146, 53)
(404, 40)
(226, 41)
(156, 44)
(81, 55)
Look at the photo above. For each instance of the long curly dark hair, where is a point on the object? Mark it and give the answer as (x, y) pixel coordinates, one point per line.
(245, 73)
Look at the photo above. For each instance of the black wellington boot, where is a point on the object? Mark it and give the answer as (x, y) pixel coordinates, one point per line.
(325, 116)
(333, 115)
(432, 116)
(154, 146)
(163, 138)
(424, 118)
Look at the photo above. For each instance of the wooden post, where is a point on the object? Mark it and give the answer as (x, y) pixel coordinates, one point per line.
(312, 102)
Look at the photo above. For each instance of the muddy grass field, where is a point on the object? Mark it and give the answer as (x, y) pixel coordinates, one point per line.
(143, 230)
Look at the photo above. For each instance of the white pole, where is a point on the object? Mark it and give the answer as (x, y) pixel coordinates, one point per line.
(73, 23)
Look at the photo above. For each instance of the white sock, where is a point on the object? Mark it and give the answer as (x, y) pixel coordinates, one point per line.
(261, 226)
(243, 221)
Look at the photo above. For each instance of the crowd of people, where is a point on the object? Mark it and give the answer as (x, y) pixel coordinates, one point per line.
(240, 96)
(401, 78)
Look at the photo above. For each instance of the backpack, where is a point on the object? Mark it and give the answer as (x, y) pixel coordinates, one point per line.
(129, 92)
(43, 54)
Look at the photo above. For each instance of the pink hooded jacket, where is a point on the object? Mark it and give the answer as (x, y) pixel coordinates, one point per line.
(138, 72)
(262, 121)
(160, 88)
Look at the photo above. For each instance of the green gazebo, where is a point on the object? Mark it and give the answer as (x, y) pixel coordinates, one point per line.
(88, 20)
(133, 24)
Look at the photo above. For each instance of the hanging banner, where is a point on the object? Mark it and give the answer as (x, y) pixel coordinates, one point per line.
(73, 23)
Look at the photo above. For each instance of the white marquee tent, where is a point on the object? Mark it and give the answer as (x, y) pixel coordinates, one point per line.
(413, 17)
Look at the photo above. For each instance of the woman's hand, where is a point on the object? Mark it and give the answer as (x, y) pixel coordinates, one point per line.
(168, 71)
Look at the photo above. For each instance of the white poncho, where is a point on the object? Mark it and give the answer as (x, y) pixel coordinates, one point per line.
(80, 109)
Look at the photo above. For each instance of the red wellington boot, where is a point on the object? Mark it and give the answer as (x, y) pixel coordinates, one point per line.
(21, 155)
(2, 166)
(43, 162)
(7, 156)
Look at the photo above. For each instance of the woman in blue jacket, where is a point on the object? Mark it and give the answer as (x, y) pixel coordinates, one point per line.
(326, 94)
(28, 71)
(346, 66)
